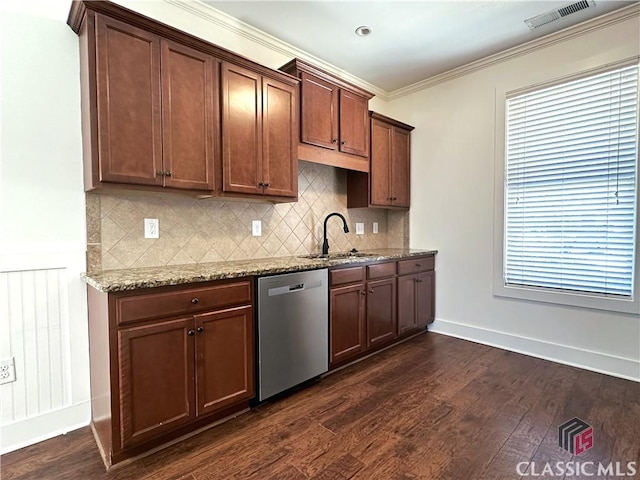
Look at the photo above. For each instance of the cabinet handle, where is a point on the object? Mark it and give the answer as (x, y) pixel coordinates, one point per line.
(418, 280)
(418, 265)
(195, 300)
(334, 140)
(159, 173)
(191, 333)
(200, 329)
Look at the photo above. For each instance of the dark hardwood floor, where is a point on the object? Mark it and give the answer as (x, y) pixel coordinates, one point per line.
(432, 408)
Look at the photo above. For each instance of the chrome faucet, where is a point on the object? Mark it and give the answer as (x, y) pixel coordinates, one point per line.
(325, 243)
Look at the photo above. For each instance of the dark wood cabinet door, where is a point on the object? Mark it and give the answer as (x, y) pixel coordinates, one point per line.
(381, 311)
(346, 322)
(425, 293)
(189, 106)
(156, 372)
(407, 303)
(128, 103)
(224, 358)
(241, 130)
(319, 118)
(354, 124)
(381, 147)
(279, 150)
(400, 178)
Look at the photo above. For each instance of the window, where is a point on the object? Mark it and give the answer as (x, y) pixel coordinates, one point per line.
(570, 182)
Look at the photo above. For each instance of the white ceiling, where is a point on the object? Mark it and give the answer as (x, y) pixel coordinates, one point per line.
(411, 40)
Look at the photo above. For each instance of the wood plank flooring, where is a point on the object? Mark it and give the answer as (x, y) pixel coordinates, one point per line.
(432, 408)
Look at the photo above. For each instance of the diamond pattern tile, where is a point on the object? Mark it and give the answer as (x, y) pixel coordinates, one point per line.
(208, 230)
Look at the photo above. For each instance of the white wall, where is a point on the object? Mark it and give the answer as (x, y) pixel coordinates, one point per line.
(42, 224)
(453, 208)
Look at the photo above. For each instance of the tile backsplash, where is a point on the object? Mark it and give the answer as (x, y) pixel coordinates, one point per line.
(208, 230)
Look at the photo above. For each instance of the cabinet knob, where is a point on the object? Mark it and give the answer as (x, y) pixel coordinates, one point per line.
(343, 142)
(167, 174)
(371, 290)
(261, 184)
(195, 300)
(334, 140)
(200, 329)
(191, 333)
(363, 292)
(159, 173)
(267, 185)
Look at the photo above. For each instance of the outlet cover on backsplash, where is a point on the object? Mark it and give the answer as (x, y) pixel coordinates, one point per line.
(208, 230)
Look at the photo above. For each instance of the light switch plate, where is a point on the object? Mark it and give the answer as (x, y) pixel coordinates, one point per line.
(359, 228)
(256, 228)
(375, 227)
(151, 228)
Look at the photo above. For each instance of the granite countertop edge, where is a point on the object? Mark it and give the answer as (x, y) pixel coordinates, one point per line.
(150, 277)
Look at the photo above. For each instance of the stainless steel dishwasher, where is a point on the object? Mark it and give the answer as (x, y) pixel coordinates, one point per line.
(293, 330)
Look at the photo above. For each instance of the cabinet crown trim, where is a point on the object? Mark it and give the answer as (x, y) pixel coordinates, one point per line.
(391, 121)
(295, 66)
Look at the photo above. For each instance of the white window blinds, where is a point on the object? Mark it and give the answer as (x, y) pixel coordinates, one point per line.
(570, 185)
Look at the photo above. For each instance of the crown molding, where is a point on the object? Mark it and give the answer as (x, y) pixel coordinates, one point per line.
(583, 28)
(238, 27)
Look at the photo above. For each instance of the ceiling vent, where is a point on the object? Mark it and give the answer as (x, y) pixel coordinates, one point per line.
(553, 15)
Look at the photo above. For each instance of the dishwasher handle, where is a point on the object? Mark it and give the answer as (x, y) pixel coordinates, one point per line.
(293, 288)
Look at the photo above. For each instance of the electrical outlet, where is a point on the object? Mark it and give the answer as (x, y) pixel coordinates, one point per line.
(151, 228)
(375, 227)
(7, 370)
(256, 228)
(359, 228)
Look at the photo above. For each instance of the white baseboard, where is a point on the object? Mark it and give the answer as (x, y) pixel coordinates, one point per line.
(32, 430)
(627, 368)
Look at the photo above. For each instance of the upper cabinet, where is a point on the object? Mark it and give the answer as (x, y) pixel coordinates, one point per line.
(164, 110)
(334, 126)
(258, 128)
(388, 184)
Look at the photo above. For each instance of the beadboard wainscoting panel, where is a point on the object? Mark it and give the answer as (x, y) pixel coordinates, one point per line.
(44, 328)
(208, 230)
(34, 316)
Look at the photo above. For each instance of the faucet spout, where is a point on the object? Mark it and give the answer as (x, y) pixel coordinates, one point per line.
(325, 243)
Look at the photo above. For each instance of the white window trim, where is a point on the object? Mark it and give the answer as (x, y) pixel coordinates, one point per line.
(575, 299)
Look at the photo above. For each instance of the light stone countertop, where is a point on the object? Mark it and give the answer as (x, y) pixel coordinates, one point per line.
(135, 278)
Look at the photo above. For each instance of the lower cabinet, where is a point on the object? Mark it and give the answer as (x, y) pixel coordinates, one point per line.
(416, 294)
(373, 305)
(381, 311)
(176, 359)
(155, 362)
(346, 322)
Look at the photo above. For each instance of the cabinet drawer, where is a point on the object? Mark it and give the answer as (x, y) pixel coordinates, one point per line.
(381, 270)
(421, 264)
(135, 308)
(343, 276)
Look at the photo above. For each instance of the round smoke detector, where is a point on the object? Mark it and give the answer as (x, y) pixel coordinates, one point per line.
(363, 31)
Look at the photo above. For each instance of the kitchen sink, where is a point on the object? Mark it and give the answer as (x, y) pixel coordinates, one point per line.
(334, 256)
